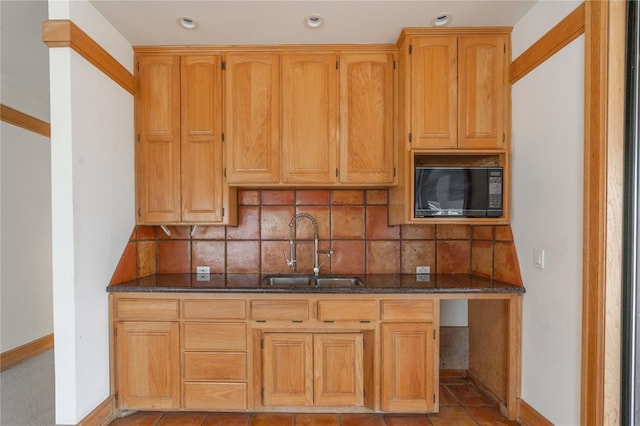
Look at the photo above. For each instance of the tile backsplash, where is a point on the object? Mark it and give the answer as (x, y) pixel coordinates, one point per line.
(352, 223)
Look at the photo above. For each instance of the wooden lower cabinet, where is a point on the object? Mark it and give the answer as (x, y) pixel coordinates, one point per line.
(275, 352)
(304, 369)
(408, 367)
(148, 365)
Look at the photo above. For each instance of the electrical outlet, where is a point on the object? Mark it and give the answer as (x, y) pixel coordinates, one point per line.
(423, 269)
(203, 273)
(203, 270)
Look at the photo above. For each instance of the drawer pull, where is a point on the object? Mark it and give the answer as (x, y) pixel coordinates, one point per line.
(329, 321)
(365, 321)
(261, 320)
(297, 321)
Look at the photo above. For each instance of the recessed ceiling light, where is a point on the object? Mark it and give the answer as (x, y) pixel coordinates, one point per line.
(441, 19)
(313, 21)
(187, 22)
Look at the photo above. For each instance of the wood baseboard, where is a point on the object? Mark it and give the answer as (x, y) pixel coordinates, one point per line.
(22, 353)
(529, 416)
(453, 374)
(102, 415)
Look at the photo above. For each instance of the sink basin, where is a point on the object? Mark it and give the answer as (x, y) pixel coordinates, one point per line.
(310, 280)
(337, 281)
(288, 280)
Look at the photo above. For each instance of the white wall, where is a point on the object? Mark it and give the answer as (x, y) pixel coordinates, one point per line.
(92, 209)
(548, 107)
(26, 304)
(27, 308)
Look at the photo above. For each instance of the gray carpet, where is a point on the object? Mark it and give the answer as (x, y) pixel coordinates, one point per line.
(27, 393)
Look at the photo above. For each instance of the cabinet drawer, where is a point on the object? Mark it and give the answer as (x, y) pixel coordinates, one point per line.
(411, 310)
(215, 336)
(286, 310)
(214, 309)
(215, 366)
(346, 310)
(215, 396)
(147, 309)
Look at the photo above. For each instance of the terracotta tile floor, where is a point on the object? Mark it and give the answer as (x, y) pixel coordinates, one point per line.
(461, 404)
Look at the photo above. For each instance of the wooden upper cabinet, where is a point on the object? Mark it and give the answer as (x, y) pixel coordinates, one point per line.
(366, 118)
(309, 118)
(458, 92)
(482, 73)
(434, 76)
(252, 118)
(158, 147)
(201, 150)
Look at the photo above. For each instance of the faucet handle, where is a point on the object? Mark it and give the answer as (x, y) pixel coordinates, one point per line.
(290, 263)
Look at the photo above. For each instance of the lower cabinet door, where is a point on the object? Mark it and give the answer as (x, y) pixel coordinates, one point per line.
(408, 367)
(287, 365)
(304, 369)
(148, 365)
(338, 369)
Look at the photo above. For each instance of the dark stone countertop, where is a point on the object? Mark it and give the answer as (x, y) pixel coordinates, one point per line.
(373, 284)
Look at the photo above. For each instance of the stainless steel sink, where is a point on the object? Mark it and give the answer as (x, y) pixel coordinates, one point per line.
(337, 281)
(310, 280)
(288, 280)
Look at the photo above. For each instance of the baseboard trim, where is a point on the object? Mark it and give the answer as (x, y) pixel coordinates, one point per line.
(102, 415)
(453, 374)
(28, 350)
(529, 416)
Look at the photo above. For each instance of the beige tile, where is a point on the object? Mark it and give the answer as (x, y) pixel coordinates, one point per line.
(482, 258)
(453, 257)
(383, 257)
(274, 222)
(347, 222)
(417, 253)
(453, 232)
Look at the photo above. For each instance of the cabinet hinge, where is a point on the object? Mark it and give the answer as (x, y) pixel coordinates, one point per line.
(504, 48)
(262, 393)
(139, 212)
(224, 172)
(410, 137)
(262, 347)
(410, 49)
(223, 212)
(115, 332)
(364, 393)
(138, 137)
(222, 137)
(115, 397)
(434, 334)
(337, 64)
(394, 172)
(504, 137)
(364, 343)
(336, 172)
(434, 398)
(394, 64)
(224, 65)
(138, 66)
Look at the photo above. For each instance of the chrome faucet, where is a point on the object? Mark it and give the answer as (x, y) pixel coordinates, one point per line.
(292, 261)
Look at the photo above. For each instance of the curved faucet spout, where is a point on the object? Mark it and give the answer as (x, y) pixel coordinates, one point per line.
(291, 262)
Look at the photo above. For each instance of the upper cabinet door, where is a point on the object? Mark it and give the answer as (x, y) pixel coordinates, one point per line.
(434, 82)
(158, 147)
(202, 180)
(366, 118)
(482, 84)
(252, 118)
(309, 118)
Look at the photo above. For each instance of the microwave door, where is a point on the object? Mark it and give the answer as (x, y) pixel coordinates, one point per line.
(475, 203)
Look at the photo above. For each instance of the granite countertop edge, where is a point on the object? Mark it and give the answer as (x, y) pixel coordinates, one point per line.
(373, 284)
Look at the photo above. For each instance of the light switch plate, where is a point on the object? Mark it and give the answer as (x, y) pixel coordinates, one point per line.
(538, 258)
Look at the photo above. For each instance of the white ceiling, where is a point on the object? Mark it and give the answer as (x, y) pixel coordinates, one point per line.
(153, 22)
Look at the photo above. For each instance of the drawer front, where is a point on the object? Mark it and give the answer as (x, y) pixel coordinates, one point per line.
(411, 310)
(346, 310)
(147, 309)
(285, 310)
(215, 366)
(215, 396)
(215, 336)
(214, 309)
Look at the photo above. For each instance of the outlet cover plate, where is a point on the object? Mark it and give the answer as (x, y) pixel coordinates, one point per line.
(423, 269)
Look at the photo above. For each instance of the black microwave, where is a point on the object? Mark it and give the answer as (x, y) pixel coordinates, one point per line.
(458, 191)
